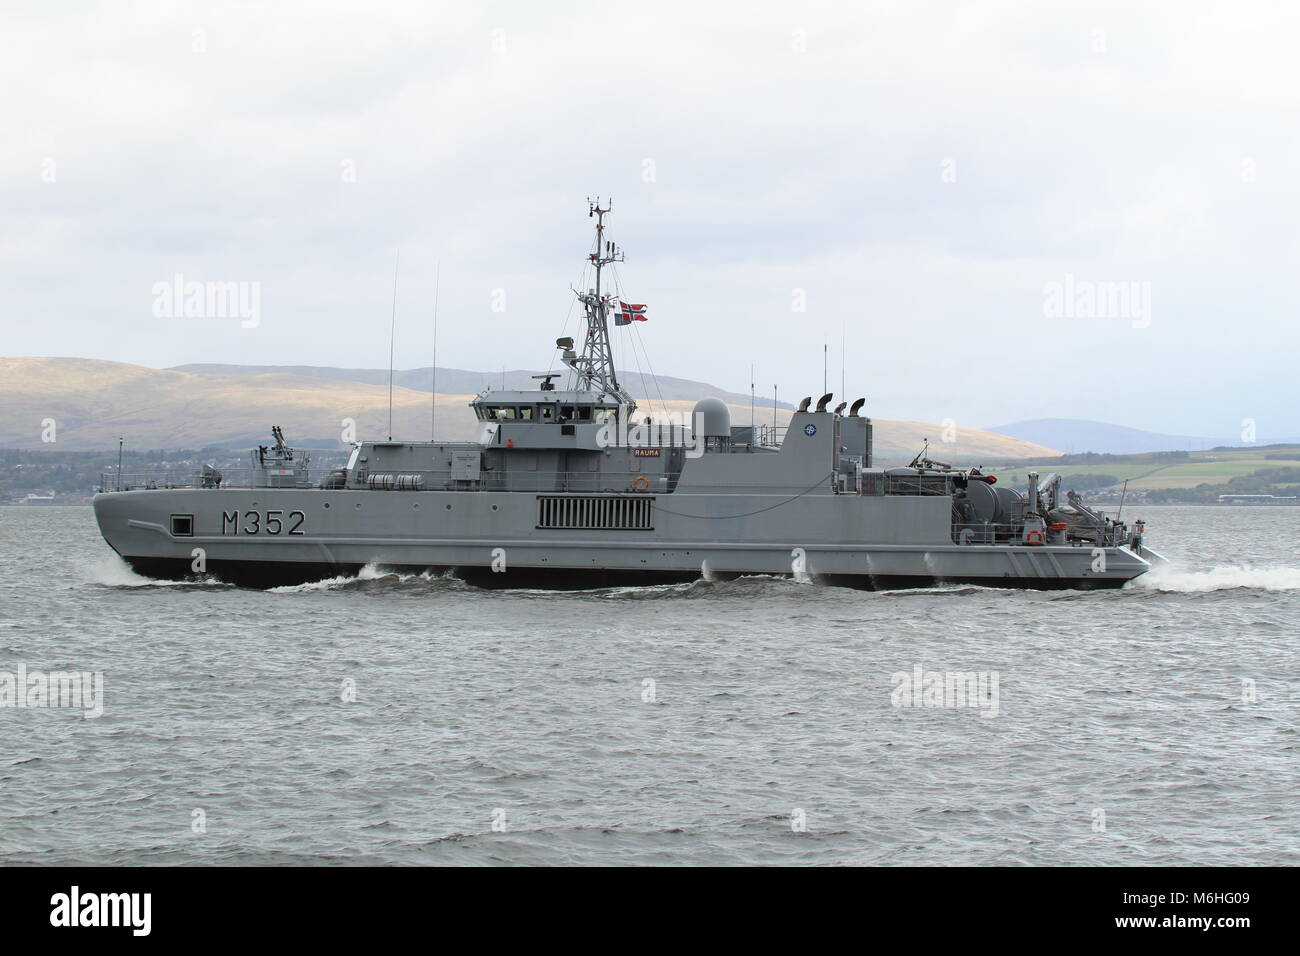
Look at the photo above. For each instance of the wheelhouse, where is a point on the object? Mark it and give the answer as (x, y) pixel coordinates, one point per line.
(554, 408)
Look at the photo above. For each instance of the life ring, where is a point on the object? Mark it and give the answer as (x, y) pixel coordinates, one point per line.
(640, 483)
(1033, 536)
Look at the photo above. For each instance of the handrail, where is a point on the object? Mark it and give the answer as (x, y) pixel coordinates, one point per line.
(587, 482)
(1013, 533)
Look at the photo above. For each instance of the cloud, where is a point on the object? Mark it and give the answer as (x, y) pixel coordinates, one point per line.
(919, 171)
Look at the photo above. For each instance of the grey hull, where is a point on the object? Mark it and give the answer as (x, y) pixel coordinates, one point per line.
(489, 538)
(271, 574)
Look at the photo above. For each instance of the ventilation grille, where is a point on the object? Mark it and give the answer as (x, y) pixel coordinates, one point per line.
(596, 512)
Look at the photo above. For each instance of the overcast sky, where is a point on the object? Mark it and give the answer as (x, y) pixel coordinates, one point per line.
(916, 175)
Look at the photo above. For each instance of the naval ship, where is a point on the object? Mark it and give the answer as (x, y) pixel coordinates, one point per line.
(572, 487)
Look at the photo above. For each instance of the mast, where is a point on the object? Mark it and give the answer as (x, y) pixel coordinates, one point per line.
(595, 366)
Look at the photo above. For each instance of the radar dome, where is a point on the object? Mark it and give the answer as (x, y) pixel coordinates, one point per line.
(714, 417)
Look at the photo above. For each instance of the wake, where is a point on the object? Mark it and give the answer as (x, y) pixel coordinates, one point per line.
(369, 576)
(1219, 579)
(113, 572)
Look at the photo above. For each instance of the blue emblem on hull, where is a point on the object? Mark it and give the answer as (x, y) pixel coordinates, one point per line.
(810, 430)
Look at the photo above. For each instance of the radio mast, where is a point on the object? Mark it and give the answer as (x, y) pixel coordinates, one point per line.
(595, 366)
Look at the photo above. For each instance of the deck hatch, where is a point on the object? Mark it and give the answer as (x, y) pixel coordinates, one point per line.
(596, 512)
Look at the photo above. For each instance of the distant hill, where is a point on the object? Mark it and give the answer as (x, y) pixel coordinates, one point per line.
(456, 381)
(93, 402)
(1073, 435)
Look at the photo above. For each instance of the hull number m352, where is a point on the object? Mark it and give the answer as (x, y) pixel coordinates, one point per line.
(262, 522)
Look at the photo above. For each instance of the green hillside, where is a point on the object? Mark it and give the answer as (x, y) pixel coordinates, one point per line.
(1174, 476)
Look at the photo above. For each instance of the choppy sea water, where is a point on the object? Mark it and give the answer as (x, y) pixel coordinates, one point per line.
(1152, 725)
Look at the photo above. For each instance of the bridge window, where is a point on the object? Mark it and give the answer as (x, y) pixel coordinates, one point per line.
(505, 413)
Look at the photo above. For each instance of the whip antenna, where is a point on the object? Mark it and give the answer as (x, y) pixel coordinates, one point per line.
(433, 401)
(392, 333)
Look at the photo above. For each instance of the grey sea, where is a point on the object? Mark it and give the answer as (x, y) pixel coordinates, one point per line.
(390, 719)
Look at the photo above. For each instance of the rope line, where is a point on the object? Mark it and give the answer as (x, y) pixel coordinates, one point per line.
(635, 341)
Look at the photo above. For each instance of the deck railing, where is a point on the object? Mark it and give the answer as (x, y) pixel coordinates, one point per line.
(188, 478)
(1014, 533)
(583, 482)
(770, 435)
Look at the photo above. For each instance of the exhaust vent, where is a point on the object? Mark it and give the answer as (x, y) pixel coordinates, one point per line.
(596, 512)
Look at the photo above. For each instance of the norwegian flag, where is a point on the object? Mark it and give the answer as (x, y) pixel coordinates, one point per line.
(627, 314)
